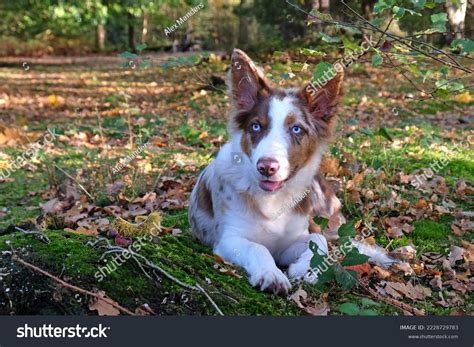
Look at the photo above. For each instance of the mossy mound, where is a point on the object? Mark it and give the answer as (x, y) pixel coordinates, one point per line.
(72, 258)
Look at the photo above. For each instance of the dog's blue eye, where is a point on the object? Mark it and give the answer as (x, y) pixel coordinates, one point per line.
(256, 127)
(296, 129)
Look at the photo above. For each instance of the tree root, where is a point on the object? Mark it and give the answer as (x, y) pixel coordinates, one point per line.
(144, 262)
(72, 287)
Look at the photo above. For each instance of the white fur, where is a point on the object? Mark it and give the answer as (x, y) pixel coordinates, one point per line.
(376, 253)
(276, 143)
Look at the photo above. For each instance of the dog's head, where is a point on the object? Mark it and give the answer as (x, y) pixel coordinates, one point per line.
(281, 131)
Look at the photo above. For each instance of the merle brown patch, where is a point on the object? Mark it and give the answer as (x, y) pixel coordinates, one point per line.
(321, 103)
(204, 198)
(304, 207)
(320, 127)
(247, 82)
(244, 120)
(325, 186)
(303, 145)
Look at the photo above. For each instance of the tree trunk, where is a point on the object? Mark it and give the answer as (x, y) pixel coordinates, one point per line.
(456, 16)
(131, 33)
(100, 37)
(469, 22)
(146, 20)
(243, 24)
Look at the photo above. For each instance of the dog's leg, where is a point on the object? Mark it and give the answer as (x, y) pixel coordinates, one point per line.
(298, 256)
(257, 261)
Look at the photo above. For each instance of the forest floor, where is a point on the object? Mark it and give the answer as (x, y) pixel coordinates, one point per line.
(100, 111)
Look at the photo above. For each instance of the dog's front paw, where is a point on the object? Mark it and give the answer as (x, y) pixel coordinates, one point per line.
(271, 280)
(300, 270)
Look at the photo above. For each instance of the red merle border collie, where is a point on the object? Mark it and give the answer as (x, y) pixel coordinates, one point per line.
(272, 161)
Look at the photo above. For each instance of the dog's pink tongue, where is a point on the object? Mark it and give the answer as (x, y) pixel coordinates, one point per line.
(270, 186)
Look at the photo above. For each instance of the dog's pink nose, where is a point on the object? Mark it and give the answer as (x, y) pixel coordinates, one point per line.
(268, 166)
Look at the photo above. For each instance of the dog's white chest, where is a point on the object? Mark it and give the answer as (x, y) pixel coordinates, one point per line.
(278, 233)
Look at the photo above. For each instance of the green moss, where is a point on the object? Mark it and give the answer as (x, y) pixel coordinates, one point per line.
(17, 198)
(395, 243)
(180, 256)
(430, 236)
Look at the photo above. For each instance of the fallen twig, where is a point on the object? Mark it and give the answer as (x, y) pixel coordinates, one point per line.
(41, 236)
(76, 181)
(72, 287)
(144, 261)
(401, 305)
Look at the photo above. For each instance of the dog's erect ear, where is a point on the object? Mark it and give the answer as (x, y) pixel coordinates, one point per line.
(247, 82)
(321, 99)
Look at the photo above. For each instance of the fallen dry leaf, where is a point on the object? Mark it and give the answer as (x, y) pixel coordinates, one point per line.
(397, 226)
(309, 305)
(456, 253)
(361, 269)
(405, 253)
(102, 307)
(381, 273)
(436, 282)
(399, 290)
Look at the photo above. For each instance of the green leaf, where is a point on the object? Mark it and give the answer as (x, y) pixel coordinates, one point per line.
(317, 260)
(398, 11)
(455, 87)
(297, 67)
(279, 67)
(384, 133)
(430, 4)
(313, 246)
(418, 4)
(352, 30)
(413, 13)
(349, 46)
(347, 229)
(349, 308)
(368, 302)
(344, 240)
(128, 55)
(329, 39)
(382, 5)
(440, 17)
(346, 278)
(312, 52)
(366, 131)
(354, 258)
(377, 60)
(467, 45)
(324, 16)
(401, 58)
(322, 222)
(444, 71)
(141, 47)
(278, 54)
(413, 69)
(441, 93)
(326, 276)
(439, 21)
(449, 86)
(377, 22)
(323, 70)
